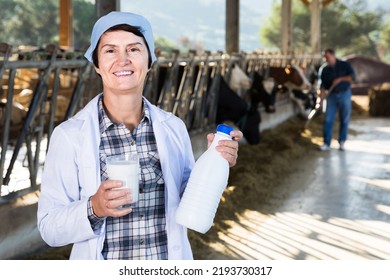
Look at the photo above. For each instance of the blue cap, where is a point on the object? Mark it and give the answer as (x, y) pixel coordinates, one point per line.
(224, 129)
(114, 18)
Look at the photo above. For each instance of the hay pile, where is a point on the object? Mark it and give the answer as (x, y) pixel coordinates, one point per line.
(380, 100)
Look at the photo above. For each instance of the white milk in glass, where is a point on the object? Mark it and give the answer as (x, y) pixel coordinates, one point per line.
(125, 168)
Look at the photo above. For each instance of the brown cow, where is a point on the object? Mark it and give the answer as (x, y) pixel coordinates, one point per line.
(368, 73)
(292, 79)
(290, 76)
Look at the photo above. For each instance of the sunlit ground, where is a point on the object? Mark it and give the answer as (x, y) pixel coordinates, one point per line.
(363, 176)
(374, 146)
(293, 236)
(381, 183)
(20, 176)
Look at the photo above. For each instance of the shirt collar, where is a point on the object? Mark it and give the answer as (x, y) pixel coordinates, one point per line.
(105, 122)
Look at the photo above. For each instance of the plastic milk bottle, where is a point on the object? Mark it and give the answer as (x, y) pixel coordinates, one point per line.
(205, 186)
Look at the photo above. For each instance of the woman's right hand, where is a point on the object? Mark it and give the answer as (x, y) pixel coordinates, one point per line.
(108, 198)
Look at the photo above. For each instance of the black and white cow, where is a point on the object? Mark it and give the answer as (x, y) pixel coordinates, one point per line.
(242, 109)
(293, 80)
(231, 107)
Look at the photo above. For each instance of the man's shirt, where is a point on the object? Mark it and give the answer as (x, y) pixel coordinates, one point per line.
(328, 74)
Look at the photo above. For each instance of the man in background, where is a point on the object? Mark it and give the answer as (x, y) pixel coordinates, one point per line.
(335, 77)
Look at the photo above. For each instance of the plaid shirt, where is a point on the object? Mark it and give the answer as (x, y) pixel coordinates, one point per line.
(140, 234)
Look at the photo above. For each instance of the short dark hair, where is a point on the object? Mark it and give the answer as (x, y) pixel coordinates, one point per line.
(330, 51)
(124, 27)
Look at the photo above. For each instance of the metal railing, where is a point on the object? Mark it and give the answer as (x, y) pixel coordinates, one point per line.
(40, 119)
(187, 86)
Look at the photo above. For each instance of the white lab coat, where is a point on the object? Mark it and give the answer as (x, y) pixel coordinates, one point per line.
(72, 174)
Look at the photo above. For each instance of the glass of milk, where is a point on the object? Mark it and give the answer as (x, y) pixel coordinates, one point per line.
(125, 168)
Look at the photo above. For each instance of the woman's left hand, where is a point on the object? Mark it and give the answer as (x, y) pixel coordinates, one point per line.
(228, 148)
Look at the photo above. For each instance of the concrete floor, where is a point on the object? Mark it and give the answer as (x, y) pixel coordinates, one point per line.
(18, 231)
(337, 206)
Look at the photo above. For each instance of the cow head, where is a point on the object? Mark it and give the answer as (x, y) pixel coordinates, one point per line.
(233, 108)
(295, 78)
(258, 94)
(239, 80)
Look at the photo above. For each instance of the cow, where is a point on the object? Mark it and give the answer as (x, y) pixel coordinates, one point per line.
(289, 76)
(243, 110)
(368, 73)
(292, 79)
(231, 107)
(258, 93)
(239, 81)
(252, 89)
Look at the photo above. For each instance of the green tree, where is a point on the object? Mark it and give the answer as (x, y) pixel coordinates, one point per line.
(26, 22)
(164, 44)
(349, 27)
(367, 26)
(84, 17)
(384, 44)
(270, 33)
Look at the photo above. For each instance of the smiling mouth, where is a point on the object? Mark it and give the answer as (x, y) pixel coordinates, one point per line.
(123, 73)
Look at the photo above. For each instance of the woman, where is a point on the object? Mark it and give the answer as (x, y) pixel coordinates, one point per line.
(78, 204)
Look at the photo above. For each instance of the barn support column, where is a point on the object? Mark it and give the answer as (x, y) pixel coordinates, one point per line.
(66, 24)
(232, 26)
(315, 7)
(286, 26)
(103, 7)
(315, 26)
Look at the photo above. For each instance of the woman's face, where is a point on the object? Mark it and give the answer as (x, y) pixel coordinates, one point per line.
(123, 62)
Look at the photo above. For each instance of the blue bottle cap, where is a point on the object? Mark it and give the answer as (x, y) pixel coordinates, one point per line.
(223, 128)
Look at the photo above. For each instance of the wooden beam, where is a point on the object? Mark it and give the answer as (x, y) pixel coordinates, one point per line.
(315, 7)
(286, 26)
(315, 26)
(306, 3)
(232, 26)
(103, 7)
(326, 2)
(66, 24)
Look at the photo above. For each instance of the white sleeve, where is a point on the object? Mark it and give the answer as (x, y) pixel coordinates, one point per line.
(319, 80)
(62, 214)
(189, 160)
